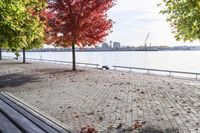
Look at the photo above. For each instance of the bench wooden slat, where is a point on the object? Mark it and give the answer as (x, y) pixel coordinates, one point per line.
(19, 120)
(39, 115)
(29, 116)
(6, 126)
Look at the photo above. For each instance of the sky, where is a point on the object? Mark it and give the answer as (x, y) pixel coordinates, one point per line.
(134, 19)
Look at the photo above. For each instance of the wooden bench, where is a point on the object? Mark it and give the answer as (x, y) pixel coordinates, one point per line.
(18, 117)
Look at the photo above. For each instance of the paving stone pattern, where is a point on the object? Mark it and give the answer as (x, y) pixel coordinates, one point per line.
(110, 101)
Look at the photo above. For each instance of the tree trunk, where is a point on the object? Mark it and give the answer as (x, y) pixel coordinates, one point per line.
(0, 54)
(73, 57)
(24, 56)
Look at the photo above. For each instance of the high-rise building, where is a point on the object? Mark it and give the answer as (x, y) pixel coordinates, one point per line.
(110, 44)
(105, 45)
(116, 45)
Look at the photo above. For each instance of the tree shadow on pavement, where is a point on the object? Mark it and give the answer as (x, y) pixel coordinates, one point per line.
(58, 71)
(15, 80)
(15, 63)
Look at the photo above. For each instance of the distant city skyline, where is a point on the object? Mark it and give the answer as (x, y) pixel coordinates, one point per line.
(134, 19)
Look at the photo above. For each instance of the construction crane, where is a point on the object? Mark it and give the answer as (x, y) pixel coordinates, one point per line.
(145, 43)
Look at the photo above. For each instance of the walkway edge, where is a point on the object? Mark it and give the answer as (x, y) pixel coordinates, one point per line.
(50, 118)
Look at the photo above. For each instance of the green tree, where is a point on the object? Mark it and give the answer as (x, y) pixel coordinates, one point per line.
(184, 18)
(20, 24)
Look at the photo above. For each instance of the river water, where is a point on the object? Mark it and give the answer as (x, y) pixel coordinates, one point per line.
(169, 60)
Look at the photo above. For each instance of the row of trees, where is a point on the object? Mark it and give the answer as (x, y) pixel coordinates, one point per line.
(27, 24)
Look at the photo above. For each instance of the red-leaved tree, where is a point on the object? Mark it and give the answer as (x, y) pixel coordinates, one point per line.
(78, 23)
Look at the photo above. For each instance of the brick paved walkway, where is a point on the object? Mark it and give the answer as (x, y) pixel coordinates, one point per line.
(108, 100)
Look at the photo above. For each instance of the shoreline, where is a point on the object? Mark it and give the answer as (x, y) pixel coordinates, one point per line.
(187, 75)
(104, 99)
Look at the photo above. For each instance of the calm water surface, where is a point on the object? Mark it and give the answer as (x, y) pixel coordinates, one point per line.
(171, 60)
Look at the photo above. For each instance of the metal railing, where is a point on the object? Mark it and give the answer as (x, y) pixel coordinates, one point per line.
(170, 72)
(55, 61)
(8, 57)
(158, 70)
(63, 62)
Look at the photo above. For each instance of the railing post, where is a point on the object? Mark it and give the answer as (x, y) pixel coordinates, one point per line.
(24, 55)
(169, 74)
(196, 76)
(148, 71)
(0, 54)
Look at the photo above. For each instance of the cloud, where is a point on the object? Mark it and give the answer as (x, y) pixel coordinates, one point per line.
(135, 18)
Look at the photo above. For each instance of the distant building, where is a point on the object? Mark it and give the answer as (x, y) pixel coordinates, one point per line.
(181, 48)
(194, 47)
(110, 44)
(116, 45)
(96, 46)
(105, 45)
